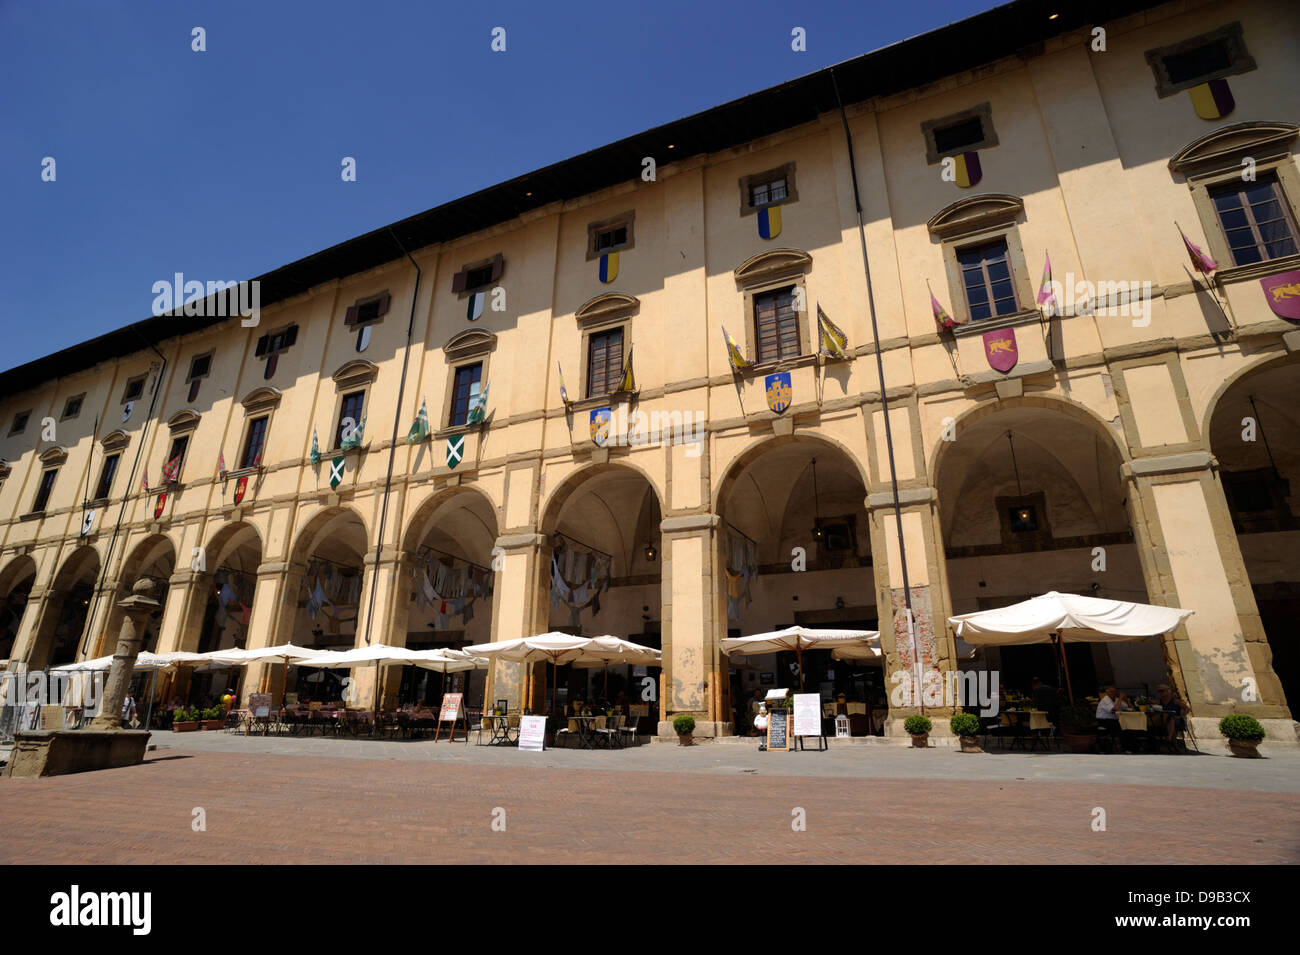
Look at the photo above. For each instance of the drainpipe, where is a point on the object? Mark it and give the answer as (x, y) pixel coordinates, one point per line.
(884, 397)
(392, 448)
(130, 484)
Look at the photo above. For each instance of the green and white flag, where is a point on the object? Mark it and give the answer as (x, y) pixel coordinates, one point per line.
(478, 406)
(353, 440)
(420, 430)
(455, 449)
(336, 471)
(315, 449)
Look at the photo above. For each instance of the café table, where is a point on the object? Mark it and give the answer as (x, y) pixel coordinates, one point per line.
(586, 738)
(500, 730)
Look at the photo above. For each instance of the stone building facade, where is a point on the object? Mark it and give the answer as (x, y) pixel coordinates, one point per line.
(1141, 446)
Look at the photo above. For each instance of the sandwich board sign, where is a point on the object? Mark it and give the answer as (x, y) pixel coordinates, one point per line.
(451, 711)
(532, 733)
(808, 718)
(260, 704)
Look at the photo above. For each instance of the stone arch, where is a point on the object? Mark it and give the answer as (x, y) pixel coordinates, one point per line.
(16, 582)
(321, 525)
(761, 446)
(426, 515)
(550, 511)
(66, 604)
(1265, 363)
(228, 538)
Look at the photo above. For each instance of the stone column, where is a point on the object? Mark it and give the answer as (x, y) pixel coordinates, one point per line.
(390, 575)
(271, 622)
(931, 603)
(519, 608)
(135, 610)
(693, 622)
(1219, 657)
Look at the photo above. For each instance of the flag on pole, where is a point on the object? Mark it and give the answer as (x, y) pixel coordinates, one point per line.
(478, 406)
(734, 354)
(626, 383)
(144, 480)
(834, 341)
(1200, 261)
(564, 392)
(420, 430)
(315, 449)
(172, 470)
(354, 439)
(941, 316)
(1046, 296)
(221, 465)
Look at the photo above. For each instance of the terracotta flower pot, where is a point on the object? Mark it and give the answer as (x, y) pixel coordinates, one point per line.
(1245, 748)
(185, 726)
(213, 724)
(685, 739)
(970, 744)
(921, 741)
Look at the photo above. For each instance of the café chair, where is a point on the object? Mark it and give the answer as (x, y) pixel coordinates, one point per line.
(1041, 729)
(630, 727)
(567, 732)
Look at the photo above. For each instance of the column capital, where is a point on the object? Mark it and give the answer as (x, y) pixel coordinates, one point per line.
(689, 523)
(280, 568)
(520, 541)
(907, 497)
(1168, 464)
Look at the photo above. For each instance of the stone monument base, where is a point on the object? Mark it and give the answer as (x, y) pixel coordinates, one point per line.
(59, 752)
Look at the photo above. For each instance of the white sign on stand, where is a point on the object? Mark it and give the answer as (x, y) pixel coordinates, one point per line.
(807, 714)
(532, 733)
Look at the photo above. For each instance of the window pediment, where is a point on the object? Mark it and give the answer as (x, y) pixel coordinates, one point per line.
(261, 399)
(183, 422)
(469, 344)
(1223, 149)
(974, 214)
(356, 372)
(55, 455)
(606, 307)
(115, 440)
(772, 265)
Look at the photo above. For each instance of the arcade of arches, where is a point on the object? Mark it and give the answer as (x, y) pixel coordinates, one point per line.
(1033, 494)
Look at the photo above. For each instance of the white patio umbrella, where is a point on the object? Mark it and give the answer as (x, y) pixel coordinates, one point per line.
(1059, 618)
(556, 647)
(799, 639)
(376, 653)
(446, 661)
(607, 650)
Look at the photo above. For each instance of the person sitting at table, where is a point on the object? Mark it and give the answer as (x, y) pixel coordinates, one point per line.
(1045, 698)
(1111, 702)
(1169, 703)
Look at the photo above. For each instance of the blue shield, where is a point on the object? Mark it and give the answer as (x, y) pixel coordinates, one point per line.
(600, 420)
(778, 391)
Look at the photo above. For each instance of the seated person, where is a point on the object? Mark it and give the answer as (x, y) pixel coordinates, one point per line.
(1045, 698)
(1169, 703)
(1111, 702)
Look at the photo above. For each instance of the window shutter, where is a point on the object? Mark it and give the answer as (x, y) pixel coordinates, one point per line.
(383, 305)
(262, 344)
(498, 266)
(458, 281)
(351, 317)
(290, 336)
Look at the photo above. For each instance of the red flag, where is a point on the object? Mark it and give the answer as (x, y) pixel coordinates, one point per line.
(941, 316)
(221, 466)
(171, 470)
(1200, 261)
(144, 480)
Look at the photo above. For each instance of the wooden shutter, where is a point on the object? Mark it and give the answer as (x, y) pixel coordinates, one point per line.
(290, 336)
(458, 281)
(351, 317)
(498, 266)
(262, 344)
(383, 305)
(788, 325)
(765, 328)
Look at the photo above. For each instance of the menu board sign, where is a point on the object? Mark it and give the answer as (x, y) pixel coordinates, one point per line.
(778, 728)
(450, 711)
(260, 704)
(807, 714)
(532, 733)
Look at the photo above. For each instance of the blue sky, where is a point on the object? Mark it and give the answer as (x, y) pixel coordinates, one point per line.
(225, 164)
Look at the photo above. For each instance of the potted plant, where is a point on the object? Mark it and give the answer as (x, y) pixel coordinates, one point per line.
(1243, 733)
(184, 721)
(967, 727)
(214, 717)
(1078, 727)
(683, 726)
(918, 727)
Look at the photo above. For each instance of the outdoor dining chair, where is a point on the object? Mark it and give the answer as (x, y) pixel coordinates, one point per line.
(1041, 729)
(629, 728)
(567, 732)
(609, 735)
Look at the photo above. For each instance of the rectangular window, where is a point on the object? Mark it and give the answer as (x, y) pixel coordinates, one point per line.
(200, 366)
(968, 132)
(43, 492)
(767, 192)
(464, 389)
(477, 278)
(134, 388)
(106, 474)
(73, 407)
(604, 362)
(986, 276)
(776, 325)
(20, 422)
(1190, 65)
(177, 454)
(253, 444)
(1255, 219)
(614, 238)
(349, 409)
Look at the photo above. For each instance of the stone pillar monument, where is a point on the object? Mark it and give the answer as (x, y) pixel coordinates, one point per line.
(135, 610)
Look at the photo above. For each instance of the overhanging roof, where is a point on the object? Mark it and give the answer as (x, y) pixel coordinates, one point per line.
(1018, 27)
